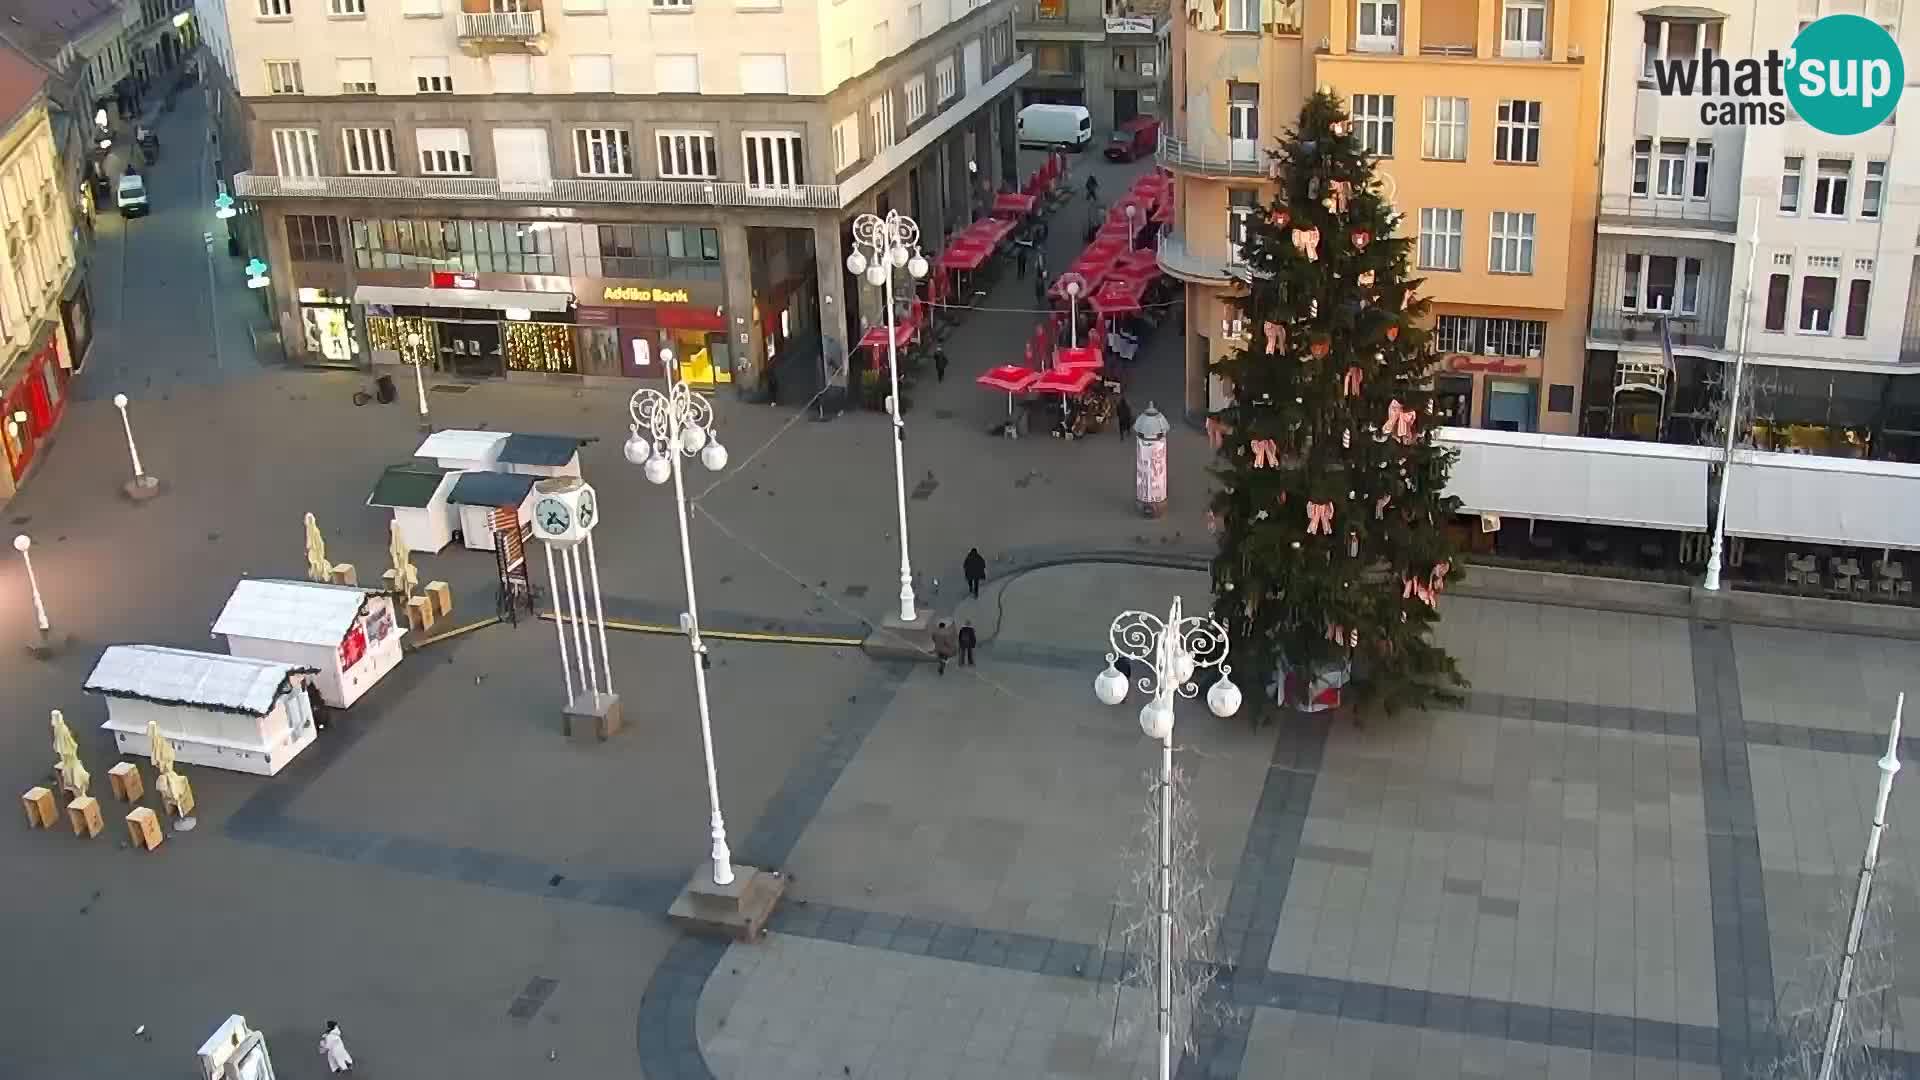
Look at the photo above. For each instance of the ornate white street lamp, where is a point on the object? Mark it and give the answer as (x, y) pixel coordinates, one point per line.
(1712, 581)
(1173, 650)
(1073, 285)
(891, 243)
(665, 427)
(142, 486)
(44, 643)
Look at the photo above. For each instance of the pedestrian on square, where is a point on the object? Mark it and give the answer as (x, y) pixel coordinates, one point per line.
(1093, 187)
(1040, 259)
(1124, 415)
(939, 363)
(974, 566)
(1040, 284)
(334, 1049)
(968, 640)
(945, 642)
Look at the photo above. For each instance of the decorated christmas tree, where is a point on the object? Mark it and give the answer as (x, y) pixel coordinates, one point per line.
(1330, 504)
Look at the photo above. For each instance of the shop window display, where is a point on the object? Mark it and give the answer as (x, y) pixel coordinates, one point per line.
(409, 335)
(546, 348)
(327, 333)
(598, 349)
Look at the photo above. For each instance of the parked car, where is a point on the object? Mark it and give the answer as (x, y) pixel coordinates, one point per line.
(132, 196)
(1137, 138)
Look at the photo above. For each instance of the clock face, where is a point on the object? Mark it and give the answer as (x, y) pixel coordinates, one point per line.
(552, 517)
(588, 510)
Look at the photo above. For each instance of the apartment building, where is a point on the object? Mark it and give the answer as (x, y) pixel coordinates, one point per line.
(1484, 118)
(1105, 54)
(529, 188)
(1825, 227)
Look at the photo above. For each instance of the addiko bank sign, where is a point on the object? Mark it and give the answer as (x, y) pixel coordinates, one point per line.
(650, 293)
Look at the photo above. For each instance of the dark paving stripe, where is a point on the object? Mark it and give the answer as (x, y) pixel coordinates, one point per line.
(629, 609)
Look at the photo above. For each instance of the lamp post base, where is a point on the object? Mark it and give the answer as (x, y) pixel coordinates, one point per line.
(598, 717)
(738, 910)
(47, 644)
(141, 488)
(898, 639)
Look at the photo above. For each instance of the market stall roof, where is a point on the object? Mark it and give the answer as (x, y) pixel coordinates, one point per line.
(1117, 296)
(493, 489)
(1012, 202)
(202, 680)
(456, 444)
(876, 336)
(1086, 357)
(546, 450)
(299, 612)
(406, 487)
(1058, 381)
(962, 255)
(1011, 378)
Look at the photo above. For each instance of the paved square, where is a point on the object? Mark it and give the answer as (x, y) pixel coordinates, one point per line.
(1570, 654)
(1839, 682)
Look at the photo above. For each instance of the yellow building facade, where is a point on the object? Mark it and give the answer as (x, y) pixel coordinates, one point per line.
(1484, 116)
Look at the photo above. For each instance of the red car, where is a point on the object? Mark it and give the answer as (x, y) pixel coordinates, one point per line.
(1137, 138)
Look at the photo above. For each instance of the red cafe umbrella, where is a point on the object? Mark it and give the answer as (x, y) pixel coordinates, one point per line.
(1084, 358)
(876, 336)
(1013, 204)
(1063, 381)
(1011, 378)
(964, 256)
(1117, 296)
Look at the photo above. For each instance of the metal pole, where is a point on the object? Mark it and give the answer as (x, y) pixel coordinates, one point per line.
(722, 858)
(559, 622)
(600, 612)
(885, 261)
(120, 401)
(420, 388)
(33, 582)
(1073, 318)
(1167, 677)
(577, 588)
(1712, 582)
(1889, 765)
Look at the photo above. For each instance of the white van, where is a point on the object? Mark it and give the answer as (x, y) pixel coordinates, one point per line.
(132, 197)
(1066, 127)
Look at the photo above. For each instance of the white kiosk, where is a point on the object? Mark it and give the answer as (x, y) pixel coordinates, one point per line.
(224, 712)
(347, 634)
(463, 449)
(235, 1052)
(417, 495)
(490, 502)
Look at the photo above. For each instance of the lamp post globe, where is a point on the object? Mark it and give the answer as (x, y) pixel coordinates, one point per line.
(22, 542)
(1110, 686)
(1223, 698)
(119, 401)
(1156, 719)
(692, 438)
(856, 263)
(898, 255)
(877, 274)
(917, 266)
(714, 457)
(637, 449)
(659, 468)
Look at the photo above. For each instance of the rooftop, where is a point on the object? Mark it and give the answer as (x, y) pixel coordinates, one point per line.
(495, 489)
(406, 487)
(198, 679)
(301, 612)
(544, 450)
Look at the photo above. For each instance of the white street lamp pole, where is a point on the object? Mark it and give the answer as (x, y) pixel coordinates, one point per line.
(894, 242)
(21, 544)
(1889, 765)
(1174, 649)
(675, 423)
(414, 341)
(1712, 582)
(142, 486)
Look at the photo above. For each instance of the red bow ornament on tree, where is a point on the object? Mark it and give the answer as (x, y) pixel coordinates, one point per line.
(1266, 454)
(1400, 421)
(1276, 337)
(1340, 635)
(1416, 587)
(1440, 571)
(1307, 242)
(1320, 518)
(1216, 431)
(1339, 192)
(1279, 218)
(1351, 384)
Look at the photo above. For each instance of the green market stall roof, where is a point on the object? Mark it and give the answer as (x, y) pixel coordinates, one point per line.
(406, 487)
(493, 489)
(542, 450)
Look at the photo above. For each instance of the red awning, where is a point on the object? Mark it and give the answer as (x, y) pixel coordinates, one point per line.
(1118, 296)
(1084, 358)
(1008, 378)
(964, 256)
(1013, 204)
(876, 336)
(1060, 381)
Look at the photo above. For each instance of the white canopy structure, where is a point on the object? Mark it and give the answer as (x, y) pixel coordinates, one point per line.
(1566, 478)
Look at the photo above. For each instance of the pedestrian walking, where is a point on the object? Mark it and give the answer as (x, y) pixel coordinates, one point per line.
(974, 566)
(334, 1049)
(968, 640)
(1124, 414)
(945, 642)
(321, 721)
(1040, 259)
(1040, 285)
(1020, 259)
(1093, 187)
(939, 363)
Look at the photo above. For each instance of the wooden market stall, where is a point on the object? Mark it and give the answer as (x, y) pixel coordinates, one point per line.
(346, 633)
(417, 495)
(224, 712)
(490, 503)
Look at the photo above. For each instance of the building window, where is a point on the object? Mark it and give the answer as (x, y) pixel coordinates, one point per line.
(602, 152)
(1444, 134)
(916, 98)
(296, 151)
(283, 77)
(882, 39)
(846, 143)
(431, 76)
(763, 73)
(1816, 304)
(356, 75)
(1790, 179)
(1242, 204)
(688, 155)
(915, 23)
(414, 9)
(774, 159)
(591, 73)
(1442, 235)
(1243, 16)
(369, 150)
(1873, 190)
(1373, 114)
(676, 73)
(1642, 166)
(1477, 336)
(1702, 169)
(1671, 284)
(1517, 138)
(444, 151)
(347, 9)
(1857, 295)
(1830, 187)
(1680, 40)
(1777, 287)
(1670, 180)
(1378, 28)
(1523, 33)
(880, 116)
(673, 5)
(943, 82)
(1243, 121)
(313, 238)
(276, 9)
(1511, 251)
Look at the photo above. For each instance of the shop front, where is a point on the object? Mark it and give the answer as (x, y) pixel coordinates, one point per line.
(76, 316)
(1507, 390)
(33, 398)
(465, 325)
(621, 326)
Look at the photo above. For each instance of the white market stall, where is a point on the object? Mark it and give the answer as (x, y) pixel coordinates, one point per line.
(224, 712)
(541, 455)
(463, 449)
(346, 633)
(417, 495)
(490, 502)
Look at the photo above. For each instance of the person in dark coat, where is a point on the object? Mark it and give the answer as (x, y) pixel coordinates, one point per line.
(319, 707)
(1093, 187)
(975, 569)
(1124, 414)
(939, 363)
(1020, 249)
(968, 641)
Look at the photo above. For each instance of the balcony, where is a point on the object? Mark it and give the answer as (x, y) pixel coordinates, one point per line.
(486, 30)
(1643, 329)
(1211, 158)
(568, 191)
(1059, 22)
(1456, 51)
(1638, 214)
(1181, 262)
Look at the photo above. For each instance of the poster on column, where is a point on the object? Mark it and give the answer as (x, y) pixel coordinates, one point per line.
(1150, 471)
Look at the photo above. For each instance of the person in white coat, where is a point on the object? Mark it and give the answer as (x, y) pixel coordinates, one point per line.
(334, 1049)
